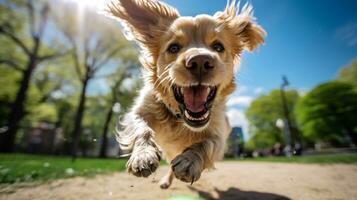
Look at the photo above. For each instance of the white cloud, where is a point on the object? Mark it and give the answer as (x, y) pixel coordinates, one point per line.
(239, 101)
(348, 34)
(258, 90)
(241, 89)
(237, 118)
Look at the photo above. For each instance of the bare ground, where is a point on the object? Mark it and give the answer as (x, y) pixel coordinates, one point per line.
(231, 180)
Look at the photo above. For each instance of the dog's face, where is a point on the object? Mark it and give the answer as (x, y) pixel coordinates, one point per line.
(197, 59)
(191, 59)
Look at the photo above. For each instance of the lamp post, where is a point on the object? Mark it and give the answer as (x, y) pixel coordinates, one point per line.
(287, 121)
(282, 125)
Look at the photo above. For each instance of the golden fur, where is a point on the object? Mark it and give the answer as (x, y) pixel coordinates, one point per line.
(153, 124)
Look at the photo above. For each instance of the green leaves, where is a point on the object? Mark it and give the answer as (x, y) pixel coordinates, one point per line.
(328, 113)
(262, 115)
(72, 45)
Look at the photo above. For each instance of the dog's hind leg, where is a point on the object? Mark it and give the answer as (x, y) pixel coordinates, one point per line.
(166, 181)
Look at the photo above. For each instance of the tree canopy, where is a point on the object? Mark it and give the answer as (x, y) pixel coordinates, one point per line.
(328, 114)
(262, 115)
(49, 50)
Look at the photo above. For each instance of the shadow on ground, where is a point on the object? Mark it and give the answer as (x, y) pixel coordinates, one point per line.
(237, 194)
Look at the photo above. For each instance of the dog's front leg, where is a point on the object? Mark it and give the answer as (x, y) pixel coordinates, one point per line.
(188, 165)
(145, 157)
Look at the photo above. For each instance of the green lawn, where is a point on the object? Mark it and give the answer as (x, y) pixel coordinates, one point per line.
(319, 159)
(28, 168)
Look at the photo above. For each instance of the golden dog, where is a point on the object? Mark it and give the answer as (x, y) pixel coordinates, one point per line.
(189, 65)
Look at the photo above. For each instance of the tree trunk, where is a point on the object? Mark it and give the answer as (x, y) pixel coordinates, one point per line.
(78, 120)
(104, 145)
(7, 139)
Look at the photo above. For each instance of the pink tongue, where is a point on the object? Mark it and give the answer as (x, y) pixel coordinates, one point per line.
(195, 97)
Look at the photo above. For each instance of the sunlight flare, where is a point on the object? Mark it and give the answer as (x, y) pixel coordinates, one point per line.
(97, 4)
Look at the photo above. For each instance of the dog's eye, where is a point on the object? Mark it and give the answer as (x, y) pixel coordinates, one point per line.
(217, 46)
(174, 48)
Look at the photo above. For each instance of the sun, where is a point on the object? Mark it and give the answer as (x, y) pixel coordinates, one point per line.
(91, 3)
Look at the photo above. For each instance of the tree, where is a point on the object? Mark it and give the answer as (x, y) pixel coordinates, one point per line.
(328, 114)
(118, 96)
(262, 115)
(8, 82)
(29, 40)
(349, 73)
(95, 43)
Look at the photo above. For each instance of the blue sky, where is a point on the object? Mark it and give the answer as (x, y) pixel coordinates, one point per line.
(308, 41)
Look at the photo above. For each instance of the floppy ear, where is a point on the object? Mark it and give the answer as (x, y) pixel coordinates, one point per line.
(146, 20)
(243, 25)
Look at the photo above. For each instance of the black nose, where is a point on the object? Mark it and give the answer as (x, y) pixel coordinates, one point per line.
(199, 64)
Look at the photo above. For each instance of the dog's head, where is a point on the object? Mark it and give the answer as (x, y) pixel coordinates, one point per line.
(190, 60)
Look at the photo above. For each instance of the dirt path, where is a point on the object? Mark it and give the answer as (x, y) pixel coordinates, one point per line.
(231, 180)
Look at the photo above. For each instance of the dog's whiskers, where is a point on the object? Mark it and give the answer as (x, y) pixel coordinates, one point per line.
(159, 79)
(173, 82)
(165, 72)
(161, 83)
(164, 79)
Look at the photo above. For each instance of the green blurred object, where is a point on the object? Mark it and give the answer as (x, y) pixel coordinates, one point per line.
(185, 197)
(262, 115)
(15, 168)
(327, 114)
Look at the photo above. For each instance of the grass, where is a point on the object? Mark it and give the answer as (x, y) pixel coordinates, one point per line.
(16, 168)
(314, 159)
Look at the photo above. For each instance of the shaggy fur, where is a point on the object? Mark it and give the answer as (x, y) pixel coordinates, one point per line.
(155, 122)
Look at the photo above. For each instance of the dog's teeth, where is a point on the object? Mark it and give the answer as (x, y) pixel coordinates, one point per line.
(208, 90)
(206, 115)
(181, 90)
(187, 115)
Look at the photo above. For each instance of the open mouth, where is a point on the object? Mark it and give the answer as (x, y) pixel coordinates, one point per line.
(195, 103)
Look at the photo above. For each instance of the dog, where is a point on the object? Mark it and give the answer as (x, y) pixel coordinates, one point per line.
(189, 65)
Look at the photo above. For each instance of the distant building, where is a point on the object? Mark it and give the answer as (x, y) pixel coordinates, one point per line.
(45, 138)
(234, 142)
(113, 147)
(237, 132)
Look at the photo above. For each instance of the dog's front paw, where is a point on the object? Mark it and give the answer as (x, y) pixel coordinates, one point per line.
(187, 167)
(143, 163)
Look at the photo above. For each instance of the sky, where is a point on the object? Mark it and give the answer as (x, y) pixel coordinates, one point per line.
(308, 41)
